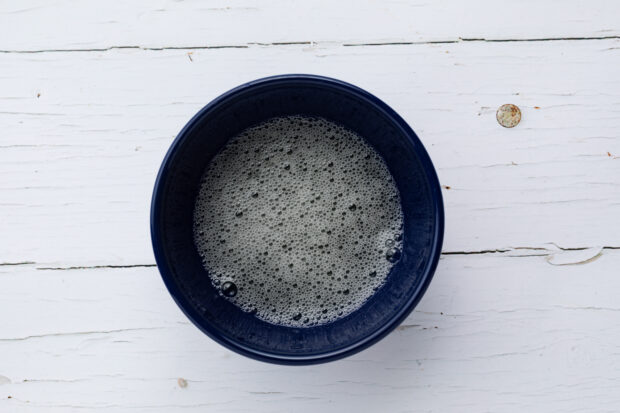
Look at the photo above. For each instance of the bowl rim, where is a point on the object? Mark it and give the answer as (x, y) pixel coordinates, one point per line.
(364, 342)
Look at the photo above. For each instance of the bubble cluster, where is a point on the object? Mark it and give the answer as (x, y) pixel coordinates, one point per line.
(298, 221)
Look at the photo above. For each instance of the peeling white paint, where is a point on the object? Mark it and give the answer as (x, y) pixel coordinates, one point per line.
(87, 324)
(575, 257)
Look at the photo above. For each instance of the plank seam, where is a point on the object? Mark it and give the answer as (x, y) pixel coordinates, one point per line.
(307, 42)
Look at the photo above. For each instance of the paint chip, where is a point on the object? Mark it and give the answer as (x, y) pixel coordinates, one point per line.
(182, 382)
(575, 257)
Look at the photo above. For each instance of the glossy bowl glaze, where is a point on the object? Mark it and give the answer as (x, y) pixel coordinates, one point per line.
(177, 186)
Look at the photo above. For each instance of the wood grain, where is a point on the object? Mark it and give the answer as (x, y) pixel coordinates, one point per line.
(522, 313)
(35, 25)
(493, 333)
(84, 134)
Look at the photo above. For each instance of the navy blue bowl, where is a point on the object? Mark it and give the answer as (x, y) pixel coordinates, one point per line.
(177, 186)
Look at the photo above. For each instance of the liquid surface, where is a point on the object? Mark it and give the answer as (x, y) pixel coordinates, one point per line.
(298, 221)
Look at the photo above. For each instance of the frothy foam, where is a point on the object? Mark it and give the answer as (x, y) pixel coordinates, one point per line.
(298, 220)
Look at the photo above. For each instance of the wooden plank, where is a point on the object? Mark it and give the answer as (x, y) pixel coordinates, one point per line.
(527, 329)
(506, 333)
(31, 25)
(84, 134)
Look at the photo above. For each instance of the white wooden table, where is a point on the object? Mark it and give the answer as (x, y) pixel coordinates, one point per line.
(524, 310)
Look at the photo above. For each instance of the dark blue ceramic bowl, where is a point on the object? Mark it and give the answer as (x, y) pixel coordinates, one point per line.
(177, 186)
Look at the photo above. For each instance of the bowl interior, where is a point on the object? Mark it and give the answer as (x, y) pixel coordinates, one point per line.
(246, 106)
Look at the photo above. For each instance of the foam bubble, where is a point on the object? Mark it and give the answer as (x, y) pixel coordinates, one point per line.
(298, 220)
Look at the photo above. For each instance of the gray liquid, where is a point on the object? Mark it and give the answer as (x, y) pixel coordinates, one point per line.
(298, 220)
